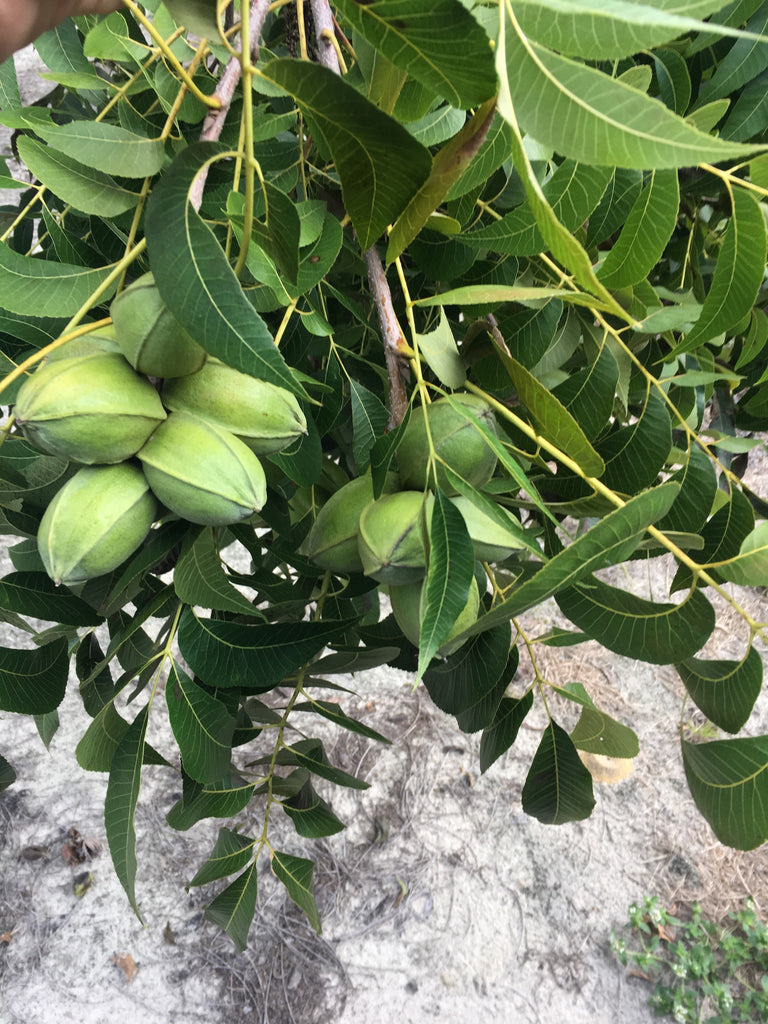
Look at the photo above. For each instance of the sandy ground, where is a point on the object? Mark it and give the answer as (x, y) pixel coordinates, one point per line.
(442, 901)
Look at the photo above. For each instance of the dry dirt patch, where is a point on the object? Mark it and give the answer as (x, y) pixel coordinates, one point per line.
(441, 901)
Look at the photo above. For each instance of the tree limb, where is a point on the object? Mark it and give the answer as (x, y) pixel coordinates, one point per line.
(391, 335)
(324, 31)
(225, 90)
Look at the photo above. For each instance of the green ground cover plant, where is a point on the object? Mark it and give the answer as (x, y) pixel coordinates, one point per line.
(703, 973)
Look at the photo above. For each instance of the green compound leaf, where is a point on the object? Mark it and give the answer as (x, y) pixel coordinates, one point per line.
(564, 245)
(33, 682)
(106, 147)
(613, 209)
(595, 731)
(447, 168)
(645, 235)
(334, 713)
(233, 909)
(747, 115)
(197, 283)
(491, 155)
(280, 234)
(296, 875)
(470, 683)
(438, 348)
(738, 274)
(552, 419)
(728, 780)
(661, 634)
(439, 44)
(83, 187)
(47, 727)
(503, 730)
(159, 545)
(120, 804)
(586, 115)
(725, 691)
(199, 578)
(109, 39)
(101, 739)
(10, 97)
(317, 254)
(202, 726)
(750, 567)
(61, 49)
(380, 164)
(451, 565)
(51, 289)
(724, 534)
(35, 594)
(558, 788)
(634, 454)
(312, 817)
(588, 394)
(611, 29)
(256, 658)
(573, 192)
(534, 335)
(231, 853)
(557, 637)
(608, 542)
(198, 16)
(311, 755)
(357, 659)
(484, 294)
(510, 531)
(698, 486)
(743, 62)
(223, 799)
(674, 80)
(369, 421)
(598, 733)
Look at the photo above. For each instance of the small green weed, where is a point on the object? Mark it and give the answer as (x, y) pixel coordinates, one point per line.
(704, 973)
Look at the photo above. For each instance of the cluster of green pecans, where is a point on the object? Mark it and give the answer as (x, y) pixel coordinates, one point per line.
(387, 538)
(160, 427)
(157, 425)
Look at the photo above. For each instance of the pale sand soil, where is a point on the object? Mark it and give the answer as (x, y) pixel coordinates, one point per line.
(442, 900)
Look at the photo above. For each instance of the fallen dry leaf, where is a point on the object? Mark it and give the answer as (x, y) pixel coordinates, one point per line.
(634, 973)
(608, 770)
(126, 963)
(34, 853)
(6, 937)
(78, 849)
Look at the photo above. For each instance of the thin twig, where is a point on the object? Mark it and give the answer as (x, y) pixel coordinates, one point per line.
(225, 90)
(391, 335)
(324, 31)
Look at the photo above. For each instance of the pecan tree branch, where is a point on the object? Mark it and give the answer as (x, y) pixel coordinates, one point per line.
(225, 90)
(391, 335)
(324, 31)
